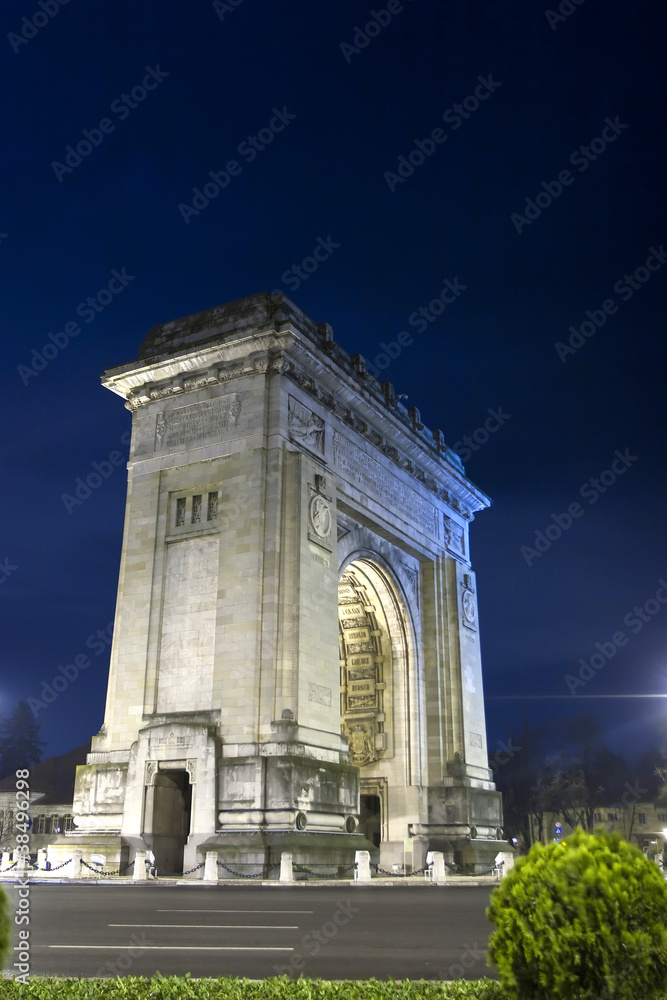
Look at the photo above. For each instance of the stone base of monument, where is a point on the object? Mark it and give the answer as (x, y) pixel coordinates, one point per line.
(88, 846)
(241, 853)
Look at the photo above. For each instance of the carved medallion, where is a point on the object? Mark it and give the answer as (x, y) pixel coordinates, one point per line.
(320, 516)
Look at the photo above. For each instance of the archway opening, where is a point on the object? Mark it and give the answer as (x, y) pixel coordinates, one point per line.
(370, 818)
(169, 808)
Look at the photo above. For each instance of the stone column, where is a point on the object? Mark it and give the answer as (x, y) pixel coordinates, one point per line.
(75, 864)
(139, 866)
(362, 860)
(439, 871)
(508, 864)
(211, 867)
(286, 873)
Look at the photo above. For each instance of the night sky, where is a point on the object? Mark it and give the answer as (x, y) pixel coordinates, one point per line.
(513, 152)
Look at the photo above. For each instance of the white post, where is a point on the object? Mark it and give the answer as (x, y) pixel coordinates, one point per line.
(6, 860)
(75, 869)
(211, 867)
(41, 859)
(508, 864)
(439, 871)
(139, 866)
(362, 860)
(286, 873)
(21, 862)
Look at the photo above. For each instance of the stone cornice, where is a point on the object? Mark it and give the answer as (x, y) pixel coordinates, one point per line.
(305, 353)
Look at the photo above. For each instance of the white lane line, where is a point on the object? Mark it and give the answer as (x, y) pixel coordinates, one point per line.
(200, 909)
(239, 927)
(166, 947)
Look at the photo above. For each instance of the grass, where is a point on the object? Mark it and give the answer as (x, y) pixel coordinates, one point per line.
(283, 988)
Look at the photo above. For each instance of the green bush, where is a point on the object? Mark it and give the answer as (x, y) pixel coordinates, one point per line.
(584, 920)
(4, 928)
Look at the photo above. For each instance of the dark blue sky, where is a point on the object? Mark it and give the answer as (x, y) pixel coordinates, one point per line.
(351, 113)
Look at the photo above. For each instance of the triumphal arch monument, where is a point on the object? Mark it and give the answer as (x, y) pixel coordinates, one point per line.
(296, 654)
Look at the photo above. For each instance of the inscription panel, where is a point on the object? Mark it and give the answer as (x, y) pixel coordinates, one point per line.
(368, 475)
(197, 422)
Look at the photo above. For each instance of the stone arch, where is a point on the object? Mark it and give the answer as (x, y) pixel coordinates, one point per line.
(382, 690)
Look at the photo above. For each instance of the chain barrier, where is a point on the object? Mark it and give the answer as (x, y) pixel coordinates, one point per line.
(309, 871)
(265, 868)
(179, 874)
(13, 865)
(383, 871)
(56, 867)
(453, 868)
(99, 870)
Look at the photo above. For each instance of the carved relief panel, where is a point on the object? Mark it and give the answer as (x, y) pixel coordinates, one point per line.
(362, 673)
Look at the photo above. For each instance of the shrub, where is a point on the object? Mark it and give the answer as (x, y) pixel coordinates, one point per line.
(4, 928)
(584, 919)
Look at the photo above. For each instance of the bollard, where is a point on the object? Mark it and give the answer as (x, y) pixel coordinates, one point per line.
(21, 862)
(508, 864)
(6, 860)
(211, 867)
(139, 866)
(286, 873)
(41, 859)
(75, 870)
(439, 871)
(362, 872)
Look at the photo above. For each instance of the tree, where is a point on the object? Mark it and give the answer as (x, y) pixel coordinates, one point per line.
(20, 745)
(585, 918)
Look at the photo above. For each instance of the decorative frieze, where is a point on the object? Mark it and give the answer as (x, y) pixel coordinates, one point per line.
(305, 428)
(187, 425)
(374, 480)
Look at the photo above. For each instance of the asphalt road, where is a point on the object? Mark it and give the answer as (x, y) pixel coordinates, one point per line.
(255, 931)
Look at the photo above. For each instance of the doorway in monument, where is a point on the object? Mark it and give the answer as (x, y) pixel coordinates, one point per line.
(168, 812)
(374, 671)
(370, 818)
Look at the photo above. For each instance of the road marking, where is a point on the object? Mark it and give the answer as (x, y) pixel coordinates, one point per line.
(166, 947)
(240, 927)
(200, 910)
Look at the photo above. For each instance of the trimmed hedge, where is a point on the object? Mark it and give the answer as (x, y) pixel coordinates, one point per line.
(5, 932)
(283, 988)
(582, 920)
